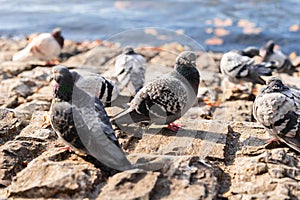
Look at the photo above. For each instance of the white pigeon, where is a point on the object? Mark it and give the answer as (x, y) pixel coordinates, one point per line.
(277, 108)
(44, 47)
(269, 53)
(130, 70)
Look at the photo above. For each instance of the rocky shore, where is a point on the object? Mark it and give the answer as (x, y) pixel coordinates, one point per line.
(219, 153)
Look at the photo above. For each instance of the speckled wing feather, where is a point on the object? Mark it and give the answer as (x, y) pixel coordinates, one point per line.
(167, 98)
(168, 94)
(161, 101)
(277, 108)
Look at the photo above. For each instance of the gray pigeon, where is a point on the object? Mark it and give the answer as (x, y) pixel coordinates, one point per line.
(238, 67)
(277, 108)
(167, 98)
(81, 122)
(130, 70)
(97, 85)
(270, 54)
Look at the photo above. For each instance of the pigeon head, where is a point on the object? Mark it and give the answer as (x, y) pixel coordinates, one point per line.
(187, 59)
(56, 33)
(275, 84)
(269, 46)
(186, 66)
(128, 51)
(62, 82)
(250, 52)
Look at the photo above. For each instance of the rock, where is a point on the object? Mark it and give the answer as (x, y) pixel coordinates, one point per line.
(10, 126)
(167, 54)
(14, 156)
(38, 73)
(14, 91)
(209, 61)
(200, 138)
(273, 173)
(56, 175)
(4, 75)
(42, 94)
(6, 56)
(132, 184)
(34, 105)
(170, 165)
(187, 177)
(239, 110)
(93, 60)
(34, 130)
(14, 68)
(160, 59)
(11, 44)
(155, 70)
(178, 178)
(147, 52)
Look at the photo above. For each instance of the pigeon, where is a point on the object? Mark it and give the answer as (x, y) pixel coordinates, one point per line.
(80, 120)
(97, 85)
(130, 70)
(238, 67)
(166, 98)
(270, 54)
(277, 108)
(44, 47)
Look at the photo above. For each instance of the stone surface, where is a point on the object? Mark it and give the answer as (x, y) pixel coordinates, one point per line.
(14, 68)
(94, 60)
(129, 185)
(10, 126)
(219, 153)
(53, 175)
(272, 173)
(14, 156)
(178, 178)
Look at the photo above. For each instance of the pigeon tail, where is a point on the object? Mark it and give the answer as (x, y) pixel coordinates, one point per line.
(262, 69)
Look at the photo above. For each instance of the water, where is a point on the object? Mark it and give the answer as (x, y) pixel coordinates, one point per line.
(90, 20)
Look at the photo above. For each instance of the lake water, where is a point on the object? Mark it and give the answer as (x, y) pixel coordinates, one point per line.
(236, 24)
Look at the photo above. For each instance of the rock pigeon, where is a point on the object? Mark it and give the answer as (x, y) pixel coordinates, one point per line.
(277, 108)
(238, 67)
(81, 122)
(270, 54)
(130, 70)
(167, 98)
(44, 47)
(97, 85)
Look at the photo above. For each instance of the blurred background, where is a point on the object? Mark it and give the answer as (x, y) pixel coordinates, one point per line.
(217, 25)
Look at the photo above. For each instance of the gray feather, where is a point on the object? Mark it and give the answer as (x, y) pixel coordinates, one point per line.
(238, 68)
(130, 70)
(277, 108)
(167, 98)
(284, 64)
(81, 121)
